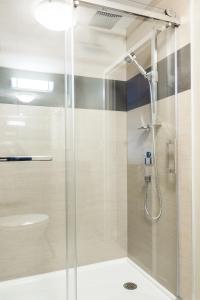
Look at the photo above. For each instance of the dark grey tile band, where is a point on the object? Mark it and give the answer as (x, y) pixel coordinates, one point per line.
(88, 91)
(120, 95)
(53, 99)
(184, 68)
(89, 94)
(166, 77)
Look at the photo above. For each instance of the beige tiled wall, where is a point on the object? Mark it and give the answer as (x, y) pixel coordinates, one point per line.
(39, 187)
(146, 241)
(195, 49)
(139, 229)
(32, 188)
(185, 193)
(101, 185)
(138, 248)
(154, 246)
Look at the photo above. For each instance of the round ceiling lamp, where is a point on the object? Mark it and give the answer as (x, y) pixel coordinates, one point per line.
(54, 14)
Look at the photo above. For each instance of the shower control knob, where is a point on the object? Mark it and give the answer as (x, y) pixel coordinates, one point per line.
(147, 179)
(148, 158)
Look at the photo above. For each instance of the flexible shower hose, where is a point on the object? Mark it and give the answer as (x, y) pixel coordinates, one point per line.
(157, 183)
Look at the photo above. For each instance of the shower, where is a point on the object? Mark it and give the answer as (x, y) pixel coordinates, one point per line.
(149, 160)
(131, 58)
(89, 201)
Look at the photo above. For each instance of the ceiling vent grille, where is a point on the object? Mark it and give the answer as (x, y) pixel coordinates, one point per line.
(105, 19)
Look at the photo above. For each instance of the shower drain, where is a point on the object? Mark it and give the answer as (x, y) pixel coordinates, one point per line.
(130, 286)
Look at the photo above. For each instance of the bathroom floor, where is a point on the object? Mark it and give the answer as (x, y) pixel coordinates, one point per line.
(102, 281)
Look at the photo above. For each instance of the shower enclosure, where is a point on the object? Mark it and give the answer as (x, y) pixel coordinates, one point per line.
(88, 158)
(123, 225)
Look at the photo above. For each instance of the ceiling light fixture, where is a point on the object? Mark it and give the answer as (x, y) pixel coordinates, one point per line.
(32, 84)
(25, 98)
(54, 14)
(16, 123)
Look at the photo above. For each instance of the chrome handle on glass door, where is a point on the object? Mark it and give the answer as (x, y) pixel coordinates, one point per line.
(25, 158)
(171, 152)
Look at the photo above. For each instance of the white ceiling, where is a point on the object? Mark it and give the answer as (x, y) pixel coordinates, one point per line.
(21, 35)
(150, 4)
(133, 2)
(26, 44)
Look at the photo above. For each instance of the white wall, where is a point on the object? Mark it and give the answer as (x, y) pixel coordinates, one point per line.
(195, 27)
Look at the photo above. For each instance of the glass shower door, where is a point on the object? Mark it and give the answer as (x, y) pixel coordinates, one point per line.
(112, 133)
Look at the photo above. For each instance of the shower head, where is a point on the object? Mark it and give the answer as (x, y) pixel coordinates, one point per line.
(131, 58)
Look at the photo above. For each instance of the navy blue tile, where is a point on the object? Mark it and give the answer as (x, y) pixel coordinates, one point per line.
(138, 93)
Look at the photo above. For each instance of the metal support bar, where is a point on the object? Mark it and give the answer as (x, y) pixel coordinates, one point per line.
(171, 145)
(154, 72)
(25, 158)
(133, 10)
(76, 3)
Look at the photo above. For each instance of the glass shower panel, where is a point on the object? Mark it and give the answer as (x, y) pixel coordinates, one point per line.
(113, 131)
(100, 137)
(152, 168)
(165, 232)
(32, 157)
(70, 167)
(139, 142)
(101, 154)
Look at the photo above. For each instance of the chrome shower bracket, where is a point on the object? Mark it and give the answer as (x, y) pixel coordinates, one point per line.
(157, 125)
(152, 76)
(147, 179)
(76, 3)
(149, 75)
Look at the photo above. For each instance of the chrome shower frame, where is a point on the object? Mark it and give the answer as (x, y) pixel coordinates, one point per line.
(173, 20)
